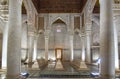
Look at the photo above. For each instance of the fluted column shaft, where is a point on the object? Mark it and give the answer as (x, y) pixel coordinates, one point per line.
(4, 47)
(71, 48)
(14, 40)
(30, 46)
(35, 48)
(88, 42)
(116, 43)
(46, 47)
(107, 53)
(83, 48)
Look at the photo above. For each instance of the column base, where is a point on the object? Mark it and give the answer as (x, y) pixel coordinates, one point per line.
(35, 66)
(12, 76)
(30, 64)
(71, 60)
(89, 63)
(83, 66)
(106, 77)
(59, 65)
(4, 68)
(117, 71)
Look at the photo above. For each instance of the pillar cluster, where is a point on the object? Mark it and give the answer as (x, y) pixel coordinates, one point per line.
(108, 41)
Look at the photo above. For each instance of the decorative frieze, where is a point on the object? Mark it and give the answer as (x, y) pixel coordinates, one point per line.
(4, 11)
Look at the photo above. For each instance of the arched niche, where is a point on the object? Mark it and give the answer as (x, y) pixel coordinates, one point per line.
(59, 30)
(64, 17)
(58, 37)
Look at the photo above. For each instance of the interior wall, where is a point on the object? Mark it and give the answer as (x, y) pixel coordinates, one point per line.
(65, 54)
(65, 42)
(95, 34)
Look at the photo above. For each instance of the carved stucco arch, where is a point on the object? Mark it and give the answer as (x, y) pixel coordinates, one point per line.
(64, 19)
(59, 22)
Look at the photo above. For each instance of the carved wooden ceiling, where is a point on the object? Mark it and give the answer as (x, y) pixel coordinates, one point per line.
(61, 6)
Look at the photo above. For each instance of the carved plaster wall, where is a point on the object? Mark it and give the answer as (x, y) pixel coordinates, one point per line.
(95, 34)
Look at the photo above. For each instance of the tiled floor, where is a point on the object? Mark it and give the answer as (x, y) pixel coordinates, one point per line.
(49, 70)
(69, 72)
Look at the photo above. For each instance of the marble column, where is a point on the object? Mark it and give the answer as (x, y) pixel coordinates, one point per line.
(35, 65)
(88, 41)
(14, 40)
(107, 53)
(83, 65)
(116, 43)
(46, 47)
(71, 48)
(30, 48)
(83, 48)
(4, 47)
(35, 48)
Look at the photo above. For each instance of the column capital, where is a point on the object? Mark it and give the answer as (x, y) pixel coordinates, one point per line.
(46, 34)
(88, 26)
(82, 35)
(116, 18)
(88, 23)
(46, 37)
(29, 23)
(20, 1)
(31, 34)
(88, 32)
(36, 36)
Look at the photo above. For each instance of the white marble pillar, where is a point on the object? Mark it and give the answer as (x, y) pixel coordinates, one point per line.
(71, 48)
(14, 40)
(35, 48)
(116, 43)
(107, 53)
(83, 65)
(88, 42)
(46, 47)
(83, 48)
(30, 48)
(4, 47)
(35, 65)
